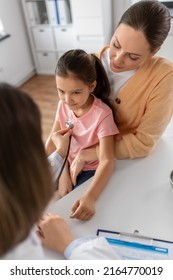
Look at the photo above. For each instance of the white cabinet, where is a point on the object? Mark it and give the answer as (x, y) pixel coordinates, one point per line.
(89, 27)
(51, 10)
(89, 8)
(46, 62)
(92, 22)
(90, 43)
(65, 38)
(50, 31)
(43, 38)
(55, 26)
(36, 12)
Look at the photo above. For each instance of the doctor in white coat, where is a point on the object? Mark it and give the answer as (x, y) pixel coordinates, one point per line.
(26, 187)
(85, 248)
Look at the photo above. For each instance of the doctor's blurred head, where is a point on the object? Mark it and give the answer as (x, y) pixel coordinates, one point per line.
(25, 180)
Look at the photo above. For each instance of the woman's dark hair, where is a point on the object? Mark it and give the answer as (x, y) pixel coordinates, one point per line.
(87, 68)
(152, 18)
(25, 179)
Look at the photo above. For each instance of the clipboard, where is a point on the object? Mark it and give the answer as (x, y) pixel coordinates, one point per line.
(134, 246)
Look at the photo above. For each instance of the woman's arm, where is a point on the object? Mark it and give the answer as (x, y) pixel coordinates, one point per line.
(84, 207)
(50, 146)
(151, 127)
(90, 154)
(158, 110)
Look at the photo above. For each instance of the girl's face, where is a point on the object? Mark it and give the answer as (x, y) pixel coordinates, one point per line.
(75, 93)
(128, 49)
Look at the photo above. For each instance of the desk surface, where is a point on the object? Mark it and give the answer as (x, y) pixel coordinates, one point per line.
(137, 197)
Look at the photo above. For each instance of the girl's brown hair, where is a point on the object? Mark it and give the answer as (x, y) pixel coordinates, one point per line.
(87, 68)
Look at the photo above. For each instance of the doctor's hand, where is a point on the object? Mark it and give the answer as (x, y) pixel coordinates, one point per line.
(61, 140)
(83, 209)
(54, 232)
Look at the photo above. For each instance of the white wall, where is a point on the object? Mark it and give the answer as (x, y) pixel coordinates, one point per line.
(119, 7)
(16, 64)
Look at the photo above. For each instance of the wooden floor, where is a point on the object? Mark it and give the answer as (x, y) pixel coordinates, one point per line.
(43, 90)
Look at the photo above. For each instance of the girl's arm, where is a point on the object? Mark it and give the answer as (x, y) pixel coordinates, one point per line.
(84, 207)
(50, 146)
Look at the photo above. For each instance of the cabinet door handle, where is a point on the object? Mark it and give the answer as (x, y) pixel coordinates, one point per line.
(41, 30)
(63, 30)
(45, 54)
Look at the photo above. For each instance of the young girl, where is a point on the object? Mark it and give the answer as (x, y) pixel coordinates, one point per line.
(83, 90)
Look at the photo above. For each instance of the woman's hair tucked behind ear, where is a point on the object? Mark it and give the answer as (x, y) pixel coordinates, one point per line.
(25, 179)
(152, 18)
(87, 68)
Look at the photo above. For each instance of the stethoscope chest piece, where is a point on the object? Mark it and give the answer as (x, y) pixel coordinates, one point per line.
(69, 123)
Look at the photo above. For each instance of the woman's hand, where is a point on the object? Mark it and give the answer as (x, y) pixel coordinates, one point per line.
(78, 163)
(54, 232)
(76, 167)
(84, 208)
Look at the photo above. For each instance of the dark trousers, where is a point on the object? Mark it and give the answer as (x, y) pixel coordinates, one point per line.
(84, 176)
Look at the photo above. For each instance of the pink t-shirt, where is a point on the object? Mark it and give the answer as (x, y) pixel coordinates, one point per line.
(88, 129)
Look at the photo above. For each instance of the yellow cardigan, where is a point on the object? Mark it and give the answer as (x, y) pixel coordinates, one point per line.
(144, 108)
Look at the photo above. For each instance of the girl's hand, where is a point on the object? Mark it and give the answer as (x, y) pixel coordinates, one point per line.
(54, 232)
(76, 167)
(83, 209)
(64, 184)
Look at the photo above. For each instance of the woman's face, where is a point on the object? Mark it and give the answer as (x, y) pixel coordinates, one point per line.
(128, 49)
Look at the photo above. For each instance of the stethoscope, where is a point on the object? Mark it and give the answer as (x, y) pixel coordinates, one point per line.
(68, 124)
